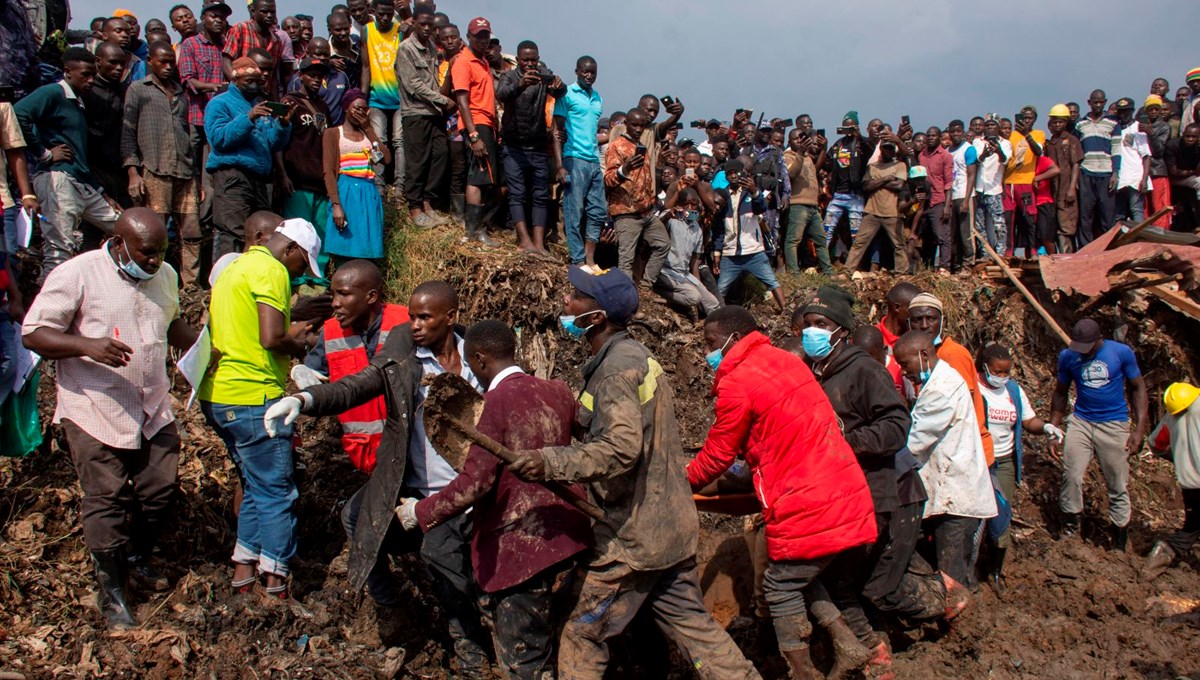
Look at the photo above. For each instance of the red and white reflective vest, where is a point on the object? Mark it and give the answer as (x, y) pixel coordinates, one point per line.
(362, 426)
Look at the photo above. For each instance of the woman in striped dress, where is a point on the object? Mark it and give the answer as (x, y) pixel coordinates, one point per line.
(355, 228)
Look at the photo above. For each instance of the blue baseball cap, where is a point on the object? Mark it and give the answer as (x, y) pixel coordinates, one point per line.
(611, 288)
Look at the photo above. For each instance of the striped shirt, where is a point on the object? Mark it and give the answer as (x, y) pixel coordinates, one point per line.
(1101, 140)
(354, 158)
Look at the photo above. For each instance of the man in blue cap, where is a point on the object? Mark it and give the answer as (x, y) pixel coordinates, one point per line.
(633, 463)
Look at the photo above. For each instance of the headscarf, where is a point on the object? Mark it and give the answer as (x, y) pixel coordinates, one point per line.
(350, 96)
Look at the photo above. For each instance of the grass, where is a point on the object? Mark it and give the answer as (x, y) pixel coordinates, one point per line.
(411, 254)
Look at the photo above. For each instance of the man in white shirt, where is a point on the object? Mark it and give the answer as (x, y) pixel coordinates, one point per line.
(1134, 175)
(966, 165)
(993, 151)
(944, 438)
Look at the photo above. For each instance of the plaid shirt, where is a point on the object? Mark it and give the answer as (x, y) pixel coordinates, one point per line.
(199, 61)
(244, 37)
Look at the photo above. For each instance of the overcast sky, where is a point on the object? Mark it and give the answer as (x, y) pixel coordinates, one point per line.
(934, 60)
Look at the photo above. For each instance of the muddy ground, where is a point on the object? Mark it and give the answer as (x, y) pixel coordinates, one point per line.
(1073, 609)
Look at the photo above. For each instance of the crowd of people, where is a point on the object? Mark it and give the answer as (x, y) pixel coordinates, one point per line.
(253, 158)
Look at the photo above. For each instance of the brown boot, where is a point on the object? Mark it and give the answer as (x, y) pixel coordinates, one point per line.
(801, 665)
(1160, 557)
(848, 653)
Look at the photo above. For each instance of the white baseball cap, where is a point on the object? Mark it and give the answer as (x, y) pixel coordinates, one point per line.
(304, 235)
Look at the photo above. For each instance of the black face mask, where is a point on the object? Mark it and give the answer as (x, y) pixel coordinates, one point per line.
(251, 90)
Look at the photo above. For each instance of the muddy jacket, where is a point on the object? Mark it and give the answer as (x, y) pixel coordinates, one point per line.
(395, 374)
(873, 417)
(632, 459)
(521, 528)
(770, 409)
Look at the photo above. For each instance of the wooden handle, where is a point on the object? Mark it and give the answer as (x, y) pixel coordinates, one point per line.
(508, 456)
(1062, 335)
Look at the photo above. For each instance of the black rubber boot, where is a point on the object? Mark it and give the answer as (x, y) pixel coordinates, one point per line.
(997, 572)
(144, 574)
(110, 576)
(1120, 538)
(1070, 525)
(475, 228)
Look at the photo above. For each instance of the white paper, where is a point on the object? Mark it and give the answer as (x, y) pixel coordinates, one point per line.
(194, 363)
(24, 227)
(27, 362)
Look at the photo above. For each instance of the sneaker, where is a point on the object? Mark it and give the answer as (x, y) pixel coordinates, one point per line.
(425, 221)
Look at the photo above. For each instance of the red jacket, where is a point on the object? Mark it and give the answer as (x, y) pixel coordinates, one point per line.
(813, 493)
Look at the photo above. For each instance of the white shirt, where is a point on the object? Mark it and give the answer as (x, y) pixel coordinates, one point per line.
(1002, 416)
(1134, 147)
(989, 178)
(944, 438)
(428, 472)
(964, 156)
(511, 370)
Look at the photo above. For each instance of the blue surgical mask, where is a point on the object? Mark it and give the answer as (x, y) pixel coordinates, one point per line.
(995, 381)
(714, 357)
(816, 342)
(568, 323)
(133, 269)
(693, 216)
(925, 372)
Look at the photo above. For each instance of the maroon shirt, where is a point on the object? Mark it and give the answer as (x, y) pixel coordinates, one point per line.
(520, 528)
(939, 166)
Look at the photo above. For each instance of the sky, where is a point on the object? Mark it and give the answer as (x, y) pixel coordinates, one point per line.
(934, 60)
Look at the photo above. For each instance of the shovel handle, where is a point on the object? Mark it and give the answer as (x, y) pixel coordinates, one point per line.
(508, 456)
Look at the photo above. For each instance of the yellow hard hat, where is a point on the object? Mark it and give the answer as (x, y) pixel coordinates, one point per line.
(1179, 396)
(1060, 111)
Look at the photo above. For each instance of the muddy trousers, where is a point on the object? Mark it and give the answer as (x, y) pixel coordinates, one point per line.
(613, 594)
(114, 479)
(784, 586)
(954, 540)
(1182, 540)
(445, 549)
(522, 624)
(1107, 442)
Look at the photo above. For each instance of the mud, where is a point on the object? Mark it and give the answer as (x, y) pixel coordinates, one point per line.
(1073, 609)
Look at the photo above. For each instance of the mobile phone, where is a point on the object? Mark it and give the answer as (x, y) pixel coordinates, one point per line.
(1018, 119)
(278, 109)
(786, 122)
(904, 121)
(846, 130)
(667, 100)
(740, 111)
(679, 126)
(698, 124)
(689, 172)
(7, 93)
(641, 150)
(547, 78)
(820, 132)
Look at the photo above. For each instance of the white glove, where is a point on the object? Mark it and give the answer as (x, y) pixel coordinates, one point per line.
(1054, 433)
(305, 377)
(283, 412)
(406, 512)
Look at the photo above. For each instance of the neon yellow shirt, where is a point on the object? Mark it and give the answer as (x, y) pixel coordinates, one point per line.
(381, 51)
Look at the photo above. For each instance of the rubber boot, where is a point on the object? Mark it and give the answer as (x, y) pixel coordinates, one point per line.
(1160, 557)
(144, 574)
(880, 665)
(458, 204)
(1120, 538)
(801, 665)
(475, 229)
(1070, 525)
(848, 653)
(110, 576)
(997, 575)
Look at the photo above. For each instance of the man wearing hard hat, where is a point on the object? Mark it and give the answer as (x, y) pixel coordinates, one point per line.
(1178, 437)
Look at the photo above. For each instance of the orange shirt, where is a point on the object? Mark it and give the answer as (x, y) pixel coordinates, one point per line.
(957, 356)
(472, 74)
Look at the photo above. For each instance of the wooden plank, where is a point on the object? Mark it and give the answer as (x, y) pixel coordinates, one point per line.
(1132, 235)
(1179, 301)
(1066, 339)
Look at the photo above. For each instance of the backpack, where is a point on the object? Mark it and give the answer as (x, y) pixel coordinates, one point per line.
(767, 171)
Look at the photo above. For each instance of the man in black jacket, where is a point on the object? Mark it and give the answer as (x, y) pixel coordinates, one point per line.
(875, 422)
(522, 93)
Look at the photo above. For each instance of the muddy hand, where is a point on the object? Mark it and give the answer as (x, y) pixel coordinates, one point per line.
(529, 465)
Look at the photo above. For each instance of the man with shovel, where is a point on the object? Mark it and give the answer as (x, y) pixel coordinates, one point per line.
(407, 465)
(632, 459)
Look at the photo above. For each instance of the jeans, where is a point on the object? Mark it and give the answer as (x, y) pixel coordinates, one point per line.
(989, 221)
(1096, 205)
(584, 197)
(756, 265)
(528, 174)
(266, 532)
(1131, 204)
(66, 204)
(1107, 442)
(631, 230)
(851, 204)
(804, 222)
(389, 127)
(10, 230)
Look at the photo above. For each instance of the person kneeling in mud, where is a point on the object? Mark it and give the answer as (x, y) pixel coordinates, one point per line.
(525, 536)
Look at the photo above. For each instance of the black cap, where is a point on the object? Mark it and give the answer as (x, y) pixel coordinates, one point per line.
(314, 63)
(216, 6)
(712, 123)
(1084, 336)
(1124, 103)
(835, 304)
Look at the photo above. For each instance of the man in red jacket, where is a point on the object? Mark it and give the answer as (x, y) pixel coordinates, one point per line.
(813, 493)
(525, 536)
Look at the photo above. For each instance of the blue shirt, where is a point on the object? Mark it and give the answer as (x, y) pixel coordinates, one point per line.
(1100, 381)
(333, 87)
(580, 109)
(238, 142)
(719, 181)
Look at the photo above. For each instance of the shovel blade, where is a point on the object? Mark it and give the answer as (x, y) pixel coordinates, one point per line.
(450, 396)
